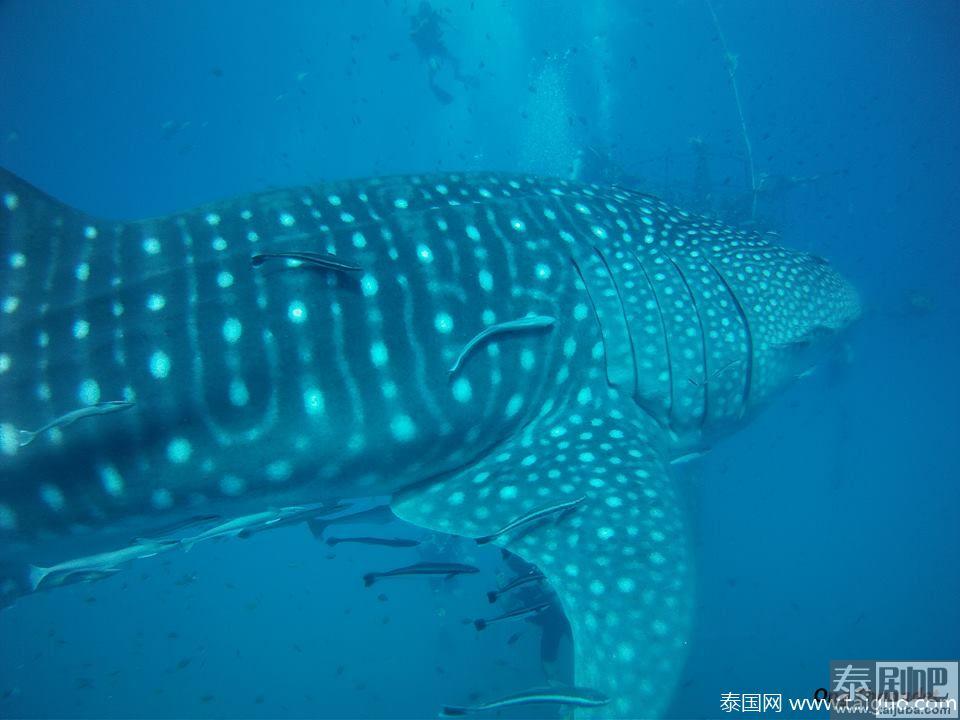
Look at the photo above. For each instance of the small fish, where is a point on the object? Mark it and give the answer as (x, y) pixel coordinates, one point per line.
(715, 374)
(81, 576)
(530, 517)
(532, 322)
(25, 437)
(292, 516)
(389, 542)
(238, 526)
(361, 513)
(560, 695)
(530, 577)
(96, 565)
(424, 568)
(184, 524)
(688, 457)
(321, 260)
(523, 612)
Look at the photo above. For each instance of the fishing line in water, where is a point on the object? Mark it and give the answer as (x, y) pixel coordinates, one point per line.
(731, 62)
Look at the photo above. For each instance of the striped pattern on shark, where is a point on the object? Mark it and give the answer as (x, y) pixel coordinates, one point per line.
(294, 382)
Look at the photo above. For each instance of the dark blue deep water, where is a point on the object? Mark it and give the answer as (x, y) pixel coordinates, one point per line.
(825, 529)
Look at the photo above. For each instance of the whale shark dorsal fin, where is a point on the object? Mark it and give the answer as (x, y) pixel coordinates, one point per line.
(619, 561)
(35, 218)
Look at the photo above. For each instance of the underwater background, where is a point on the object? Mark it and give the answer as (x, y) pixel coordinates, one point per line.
(826, 529)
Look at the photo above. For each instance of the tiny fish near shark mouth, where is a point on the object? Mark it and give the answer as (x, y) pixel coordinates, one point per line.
(594, 333)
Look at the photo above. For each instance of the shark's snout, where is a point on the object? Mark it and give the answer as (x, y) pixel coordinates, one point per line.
(852, 308)
(800, 314)
(835, 301)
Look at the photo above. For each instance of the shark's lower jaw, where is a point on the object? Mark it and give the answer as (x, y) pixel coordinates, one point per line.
(481, 348)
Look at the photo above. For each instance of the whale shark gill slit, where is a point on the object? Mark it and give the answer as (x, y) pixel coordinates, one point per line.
(607, 306)
(623, 316)
(663, 327)
(748, 371)
(703, 339)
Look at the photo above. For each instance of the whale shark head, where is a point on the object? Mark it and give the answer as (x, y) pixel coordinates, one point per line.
(803, 305)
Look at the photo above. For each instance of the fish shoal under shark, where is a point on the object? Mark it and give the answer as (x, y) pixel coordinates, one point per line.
(263, 385)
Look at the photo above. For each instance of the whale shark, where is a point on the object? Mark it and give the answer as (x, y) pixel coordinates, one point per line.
(505, 357)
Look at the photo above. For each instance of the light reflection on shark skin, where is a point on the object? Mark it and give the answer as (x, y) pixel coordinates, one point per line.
(291, 384)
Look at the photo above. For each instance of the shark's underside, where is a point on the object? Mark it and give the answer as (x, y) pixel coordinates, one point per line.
(477, 347)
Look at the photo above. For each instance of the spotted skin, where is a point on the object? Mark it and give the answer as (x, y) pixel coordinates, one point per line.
(620, 562)
(290, 383)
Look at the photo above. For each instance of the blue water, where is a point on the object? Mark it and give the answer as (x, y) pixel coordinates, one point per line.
(826, 529)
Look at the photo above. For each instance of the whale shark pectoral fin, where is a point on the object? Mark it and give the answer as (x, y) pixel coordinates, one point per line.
(619, 561)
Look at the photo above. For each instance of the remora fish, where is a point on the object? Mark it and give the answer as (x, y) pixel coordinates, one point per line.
(530, 577)
(95, 565)
(571, 696)
(533, 322)
(175, 527)
(531, 517)
(367, 513)
(423, 568)
(293, 516)
(481, 623)
(388, 542)
(321, 260)
(80, 576)
(25, 437)
(240, 525)
(259, 389)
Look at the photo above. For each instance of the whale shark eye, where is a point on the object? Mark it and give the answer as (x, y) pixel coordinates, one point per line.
(818, 259)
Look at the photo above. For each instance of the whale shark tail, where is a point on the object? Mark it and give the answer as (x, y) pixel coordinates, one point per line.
(620, 563)
(37, 575)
